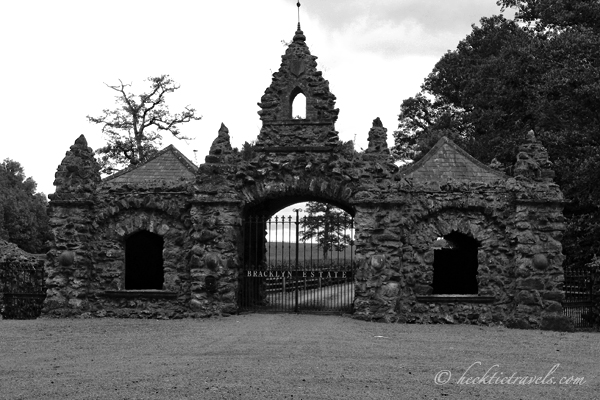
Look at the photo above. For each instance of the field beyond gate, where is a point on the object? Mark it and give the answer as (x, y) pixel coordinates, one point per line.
(289, 268)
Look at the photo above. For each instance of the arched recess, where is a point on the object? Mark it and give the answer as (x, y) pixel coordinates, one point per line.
(491, 251)
(455, 264)
(144, 261)
(255, 218)
(298, 104)
(269, 206)
(111, 243)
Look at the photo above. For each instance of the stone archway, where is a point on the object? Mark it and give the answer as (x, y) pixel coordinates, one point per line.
(116, 230)
(273, 199)
(297, 263)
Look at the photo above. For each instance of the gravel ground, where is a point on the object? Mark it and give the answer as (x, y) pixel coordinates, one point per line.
(286, 356)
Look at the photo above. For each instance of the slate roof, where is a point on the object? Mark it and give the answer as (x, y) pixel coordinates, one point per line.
(167, 165)
(446, 161)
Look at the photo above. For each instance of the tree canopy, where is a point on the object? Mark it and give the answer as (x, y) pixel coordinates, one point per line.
(23, 218)
(133, 129)
(329, 225)
(540, 71)
(556, 14)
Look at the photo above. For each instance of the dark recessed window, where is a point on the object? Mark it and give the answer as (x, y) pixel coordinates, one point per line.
(144, 261)
(455, 264)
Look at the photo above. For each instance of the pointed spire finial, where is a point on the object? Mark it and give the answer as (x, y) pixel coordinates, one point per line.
(299, 36)
(220, 146)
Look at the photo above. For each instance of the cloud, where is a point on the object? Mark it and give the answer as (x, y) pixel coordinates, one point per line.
(411, 27)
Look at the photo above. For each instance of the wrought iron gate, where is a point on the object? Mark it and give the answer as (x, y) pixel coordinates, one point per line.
(23, 289)
(579, 298)
(293, 264)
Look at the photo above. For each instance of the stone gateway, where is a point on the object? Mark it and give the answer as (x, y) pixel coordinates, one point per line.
(444, 240)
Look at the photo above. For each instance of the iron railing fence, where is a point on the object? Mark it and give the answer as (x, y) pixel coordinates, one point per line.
(579, 296)
(23, 290)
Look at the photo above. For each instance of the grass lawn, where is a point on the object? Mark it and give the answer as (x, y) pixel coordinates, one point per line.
(286, 356)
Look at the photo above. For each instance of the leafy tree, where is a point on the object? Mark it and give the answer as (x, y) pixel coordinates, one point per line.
(329, 225)
(556, 14)
(133, 129)
(475, 95)
(23, 218)
(248, 150)
(541, 72)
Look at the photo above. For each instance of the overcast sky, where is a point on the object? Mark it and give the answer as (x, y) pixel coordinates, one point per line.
(56, 57)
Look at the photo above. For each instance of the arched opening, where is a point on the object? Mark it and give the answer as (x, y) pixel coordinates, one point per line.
(455, 264)
(298, 257)
(275, 209)
(298, 104)
(323, 233)
(144, 261)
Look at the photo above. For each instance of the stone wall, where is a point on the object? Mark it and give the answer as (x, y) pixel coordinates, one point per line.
(215, 253)
(519, 274)
(122, 211)
(518, 223)
(91, 221)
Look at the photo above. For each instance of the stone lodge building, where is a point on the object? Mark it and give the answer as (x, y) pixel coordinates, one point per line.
(445, 240)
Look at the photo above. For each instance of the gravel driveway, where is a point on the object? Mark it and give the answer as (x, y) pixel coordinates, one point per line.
(286, 356)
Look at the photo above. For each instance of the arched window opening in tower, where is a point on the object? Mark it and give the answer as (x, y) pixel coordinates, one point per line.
(144, 261)
(455, 264)
(299, 106)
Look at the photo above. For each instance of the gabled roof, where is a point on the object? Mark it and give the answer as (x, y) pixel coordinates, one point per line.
(446, 161)
(166, 165)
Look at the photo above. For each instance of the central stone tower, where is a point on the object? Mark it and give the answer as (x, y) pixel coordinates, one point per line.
(297, 75)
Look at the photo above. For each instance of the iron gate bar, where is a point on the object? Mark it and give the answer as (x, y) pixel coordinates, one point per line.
(297, 251)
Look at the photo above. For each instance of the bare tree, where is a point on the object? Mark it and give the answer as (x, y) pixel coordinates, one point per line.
(133, 129)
